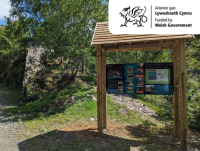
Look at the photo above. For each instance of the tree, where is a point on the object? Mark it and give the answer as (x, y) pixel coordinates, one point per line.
(64, 27)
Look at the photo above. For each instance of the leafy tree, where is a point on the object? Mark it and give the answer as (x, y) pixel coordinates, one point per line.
(64, 27)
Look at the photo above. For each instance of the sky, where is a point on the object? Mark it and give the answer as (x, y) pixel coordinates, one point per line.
(4, 10)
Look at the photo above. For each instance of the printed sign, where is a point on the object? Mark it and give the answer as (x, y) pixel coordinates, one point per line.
(115, 78)
(148, 78)
(154, 17)
(159, 78)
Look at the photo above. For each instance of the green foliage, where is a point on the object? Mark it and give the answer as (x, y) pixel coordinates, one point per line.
(159, 103)
(64, 27)
(194, 107)
(89, 77)
(139, 57)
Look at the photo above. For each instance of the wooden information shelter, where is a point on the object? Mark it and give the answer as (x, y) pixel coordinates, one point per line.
(108, 42)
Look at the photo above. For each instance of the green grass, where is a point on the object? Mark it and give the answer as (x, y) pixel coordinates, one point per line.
(11, 95)
(132, 117)
(158, 104)
(47, 110)
(49, 123)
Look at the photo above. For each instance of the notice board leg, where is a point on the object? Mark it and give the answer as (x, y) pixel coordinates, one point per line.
(183, 95)
(104, 97)
(176, 92)
(99, 91)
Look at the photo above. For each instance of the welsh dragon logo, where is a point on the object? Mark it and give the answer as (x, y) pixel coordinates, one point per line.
(135, 15)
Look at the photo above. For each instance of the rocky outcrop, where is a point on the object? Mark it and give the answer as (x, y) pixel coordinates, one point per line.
(32, 66)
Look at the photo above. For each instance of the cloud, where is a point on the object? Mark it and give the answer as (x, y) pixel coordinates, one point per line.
(5, 6)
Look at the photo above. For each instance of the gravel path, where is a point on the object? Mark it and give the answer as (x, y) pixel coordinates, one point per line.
(133, 104)
(8, 127)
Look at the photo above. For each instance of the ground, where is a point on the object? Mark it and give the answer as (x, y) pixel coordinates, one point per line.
(150, 134)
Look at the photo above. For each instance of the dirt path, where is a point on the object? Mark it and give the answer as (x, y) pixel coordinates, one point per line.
(8, 127)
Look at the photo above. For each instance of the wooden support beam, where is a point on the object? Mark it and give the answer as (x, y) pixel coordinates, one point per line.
(176, 91)
(104, 93)
(183, 95)
(99, 91)
(138, 47)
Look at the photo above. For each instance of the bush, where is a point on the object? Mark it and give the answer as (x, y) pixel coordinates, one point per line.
(194, 107)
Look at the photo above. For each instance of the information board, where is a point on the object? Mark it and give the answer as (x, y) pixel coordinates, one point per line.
(140, 78)
(159, 78)
(115, 78)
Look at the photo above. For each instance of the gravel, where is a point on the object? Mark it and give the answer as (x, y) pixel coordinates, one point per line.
(8, 127)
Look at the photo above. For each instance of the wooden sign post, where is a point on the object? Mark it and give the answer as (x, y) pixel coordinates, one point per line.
(107, 42)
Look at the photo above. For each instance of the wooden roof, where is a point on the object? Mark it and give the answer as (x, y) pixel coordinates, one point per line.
(102, 36)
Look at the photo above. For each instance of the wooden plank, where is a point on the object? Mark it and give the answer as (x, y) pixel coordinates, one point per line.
(168, 43)
(183, 95)
(134, 40)
(106, 35)
(93, 34)
(125, 37)
(140, 49)
(99, 91)
(176, 92)
(104, 93)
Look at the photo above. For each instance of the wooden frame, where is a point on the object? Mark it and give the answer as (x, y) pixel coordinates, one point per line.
(179, 63)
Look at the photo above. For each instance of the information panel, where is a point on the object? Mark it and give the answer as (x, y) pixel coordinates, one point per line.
(134, 78)
(141, 78)
(159, 78)
(115, 78)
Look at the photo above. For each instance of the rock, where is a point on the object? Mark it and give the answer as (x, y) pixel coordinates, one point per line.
(90, 82)
(94, 75)
(45, 130)
(87, 149)
(94, 99)
(73, 97)
(91, 96)
(32, 66)
(92, 119)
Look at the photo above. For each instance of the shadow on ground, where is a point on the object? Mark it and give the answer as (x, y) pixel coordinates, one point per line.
(135, 138)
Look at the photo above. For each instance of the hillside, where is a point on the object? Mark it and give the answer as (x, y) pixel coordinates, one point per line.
(131, 125)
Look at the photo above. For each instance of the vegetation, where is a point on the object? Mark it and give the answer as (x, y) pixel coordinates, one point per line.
(65, 29)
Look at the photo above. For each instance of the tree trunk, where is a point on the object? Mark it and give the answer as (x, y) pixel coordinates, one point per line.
(83, 65)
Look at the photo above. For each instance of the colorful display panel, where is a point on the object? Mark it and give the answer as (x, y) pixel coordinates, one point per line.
(153, 78)
(159, 78)
(134, 78)
(115, 78)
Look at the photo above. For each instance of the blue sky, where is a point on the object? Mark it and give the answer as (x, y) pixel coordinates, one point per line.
(4, 10)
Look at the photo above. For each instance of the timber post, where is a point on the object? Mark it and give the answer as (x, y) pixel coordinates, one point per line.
(99, 91)
(176, 92)
(183, 94)
(104, 93)
(106, 42)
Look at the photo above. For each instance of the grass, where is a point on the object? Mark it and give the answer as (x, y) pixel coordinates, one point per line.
(59, 108)
(158, 104)
(46, 121)
(11, 95)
